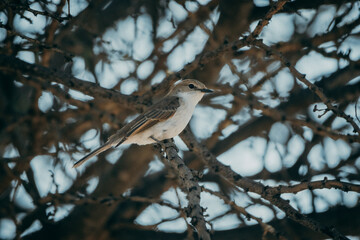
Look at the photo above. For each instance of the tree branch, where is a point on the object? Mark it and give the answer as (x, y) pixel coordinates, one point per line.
(189, 184)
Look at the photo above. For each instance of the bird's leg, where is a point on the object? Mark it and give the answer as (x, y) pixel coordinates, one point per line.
(166, 143)
(158, 144)
(170, 143)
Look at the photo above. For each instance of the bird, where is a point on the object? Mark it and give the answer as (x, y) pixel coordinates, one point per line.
(163, 120)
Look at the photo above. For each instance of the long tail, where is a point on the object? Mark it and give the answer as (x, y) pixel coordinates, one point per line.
(93, 154)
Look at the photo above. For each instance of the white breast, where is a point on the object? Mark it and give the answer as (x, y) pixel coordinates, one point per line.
(173, 126)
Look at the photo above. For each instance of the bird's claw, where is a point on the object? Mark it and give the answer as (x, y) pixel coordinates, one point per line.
(166, 144)
(170, 143)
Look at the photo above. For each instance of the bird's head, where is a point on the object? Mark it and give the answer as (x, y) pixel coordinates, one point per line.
(189, 88)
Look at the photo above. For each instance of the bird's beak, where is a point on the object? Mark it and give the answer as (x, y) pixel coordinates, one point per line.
(205, 90)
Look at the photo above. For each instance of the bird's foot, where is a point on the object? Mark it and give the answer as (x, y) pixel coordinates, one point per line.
(170, 143)
(166, 143)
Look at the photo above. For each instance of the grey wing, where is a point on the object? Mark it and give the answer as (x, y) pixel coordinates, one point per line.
(160, 111)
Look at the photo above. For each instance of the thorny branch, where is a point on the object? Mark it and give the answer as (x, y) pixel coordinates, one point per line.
(266, 227)
(12, 64)
(189, 184)
(18, 7)
(250, 97)
(302, 77)
(256, 187)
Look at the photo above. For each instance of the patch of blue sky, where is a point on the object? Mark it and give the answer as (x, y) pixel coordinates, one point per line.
(180, 144)
(241, 198)
(76, 6)
(246, 157)
(191, 6)
(90, 139)
(145, 69)
(43, 178)
(214, 206)
(284, 82)
(26, 56)
(229, 221)
(295, 148)
(35, 226)
(7, 229)
(203, 2)
(210, 185)
(129, 86)
(3, 20)
(326, 198)
(341, 122)
(155, 166)
(316, 158)
(178, 226)
(21, 197)
(186, 52)
(227, 76)
(45, 101)
(304, 201)
(10, 152)
(332, 151)
(92, 183)
(79, 70)
(324, 66)
(121, 35)
(242, 65)
(292, 199)
(143, 45)
(154, 214)
(36, 26)
(350, 199)
(272, 160)
(279, 133)
(118, 69)
(322, 20)
(158, 78)
(178, 12)
(205, 121)
(280, 29)
(175, 198)
(165, 27)
(61, 211)
(261, 211)
(315, 115)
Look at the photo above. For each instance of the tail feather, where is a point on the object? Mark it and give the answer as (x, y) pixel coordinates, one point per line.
(93, 154)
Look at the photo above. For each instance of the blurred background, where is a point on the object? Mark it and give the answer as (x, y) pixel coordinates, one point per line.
(75, 71)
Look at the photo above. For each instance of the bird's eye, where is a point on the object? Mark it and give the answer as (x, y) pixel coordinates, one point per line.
(191, 86)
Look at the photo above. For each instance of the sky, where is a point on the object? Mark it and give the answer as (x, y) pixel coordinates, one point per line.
(254, 154)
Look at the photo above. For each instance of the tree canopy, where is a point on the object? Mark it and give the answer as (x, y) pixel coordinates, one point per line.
(273, 153)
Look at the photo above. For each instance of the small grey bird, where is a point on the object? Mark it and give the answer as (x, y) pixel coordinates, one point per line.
(163, 120)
